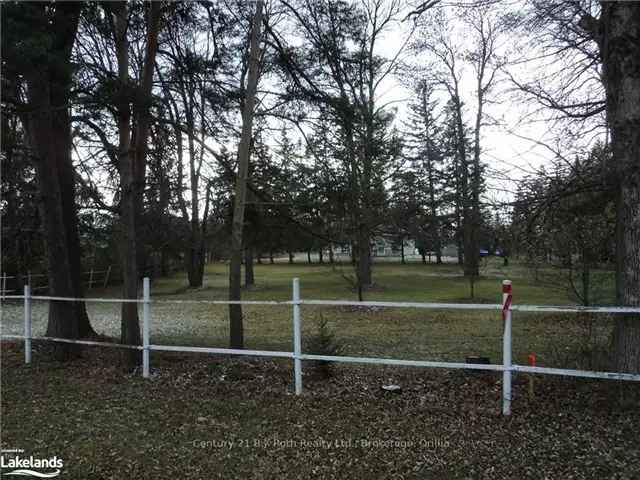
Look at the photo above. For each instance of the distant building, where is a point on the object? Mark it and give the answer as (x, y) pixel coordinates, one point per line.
(450, 250)
(383, 246)
(388, 246)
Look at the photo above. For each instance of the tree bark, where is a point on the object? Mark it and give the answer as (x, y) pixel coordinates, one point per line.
(617, 36)
(249, 278)
(364, 256)
(236, 330)
(48, 128)
(132, 151)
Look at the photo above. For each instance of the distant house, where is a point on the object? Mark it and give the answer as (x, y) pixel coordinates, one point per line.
(388, 246)
(450, 250)
(383, 246)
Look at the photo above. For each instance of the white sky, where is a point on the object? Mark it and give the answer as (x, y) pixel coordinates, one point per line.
(509, 144)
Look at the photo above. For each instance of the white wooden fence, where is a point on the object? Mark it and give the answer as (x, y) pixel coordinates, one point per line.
(507, 366)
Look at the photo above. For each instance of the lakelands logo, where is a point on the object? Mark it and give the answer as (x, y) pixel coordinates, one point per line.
(30, 466)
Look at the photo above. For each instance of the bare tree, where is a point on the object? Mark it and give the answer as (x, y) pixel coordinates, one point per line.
(486, 28)
(484, 56)
(190, 69)
(236, 332)
(448, 73)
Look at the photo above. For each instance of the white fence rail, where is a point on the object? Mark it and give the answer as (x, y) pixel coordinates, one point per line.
(506, 308)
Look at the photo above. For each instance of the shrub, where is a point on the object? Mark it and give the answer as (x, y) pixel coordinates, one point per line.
(322, 342)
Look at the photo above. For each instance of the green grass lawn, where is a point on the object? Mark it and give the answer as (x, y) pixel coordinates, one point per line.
(410, 282)
(566, 340)
(212, 417)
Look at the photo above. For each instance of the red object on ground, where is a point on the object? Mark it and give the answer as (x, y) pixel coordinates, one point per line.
(532, 359)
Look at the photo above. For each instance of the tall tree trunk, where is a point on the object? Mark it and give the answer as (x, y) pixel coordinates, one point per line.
(236, 330)
(331, 258)
(618, 36)
(402, 260)
(320, 256)
(195, 265)
(364, 256)
(202, 247)
(132, 151)
(309, 257)
(48, 127)
(473, 260)
(586, 282)
(249, 278)
(354, 259)
(129, 329)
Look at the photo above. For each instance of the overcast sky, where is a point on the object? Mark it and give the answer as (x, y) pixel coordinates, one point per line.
(514, 126)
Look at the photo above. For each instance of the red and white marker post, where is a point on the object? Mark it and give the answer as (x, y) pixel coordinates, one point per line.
(507, 298)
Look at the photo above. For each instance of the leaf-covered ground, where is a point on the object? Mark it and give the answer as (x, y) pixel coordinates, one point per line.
(203, 417)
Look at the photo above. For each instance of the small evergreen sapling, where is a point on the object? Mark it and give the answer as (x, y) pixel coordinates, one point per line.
(322, 342)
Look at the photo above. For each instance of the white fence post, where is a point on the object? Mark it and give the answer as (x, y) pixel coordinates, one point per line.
(91, 278)
(297, 340)
(4, 284)
(27, 324)
(146, 320)
(506, 347)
